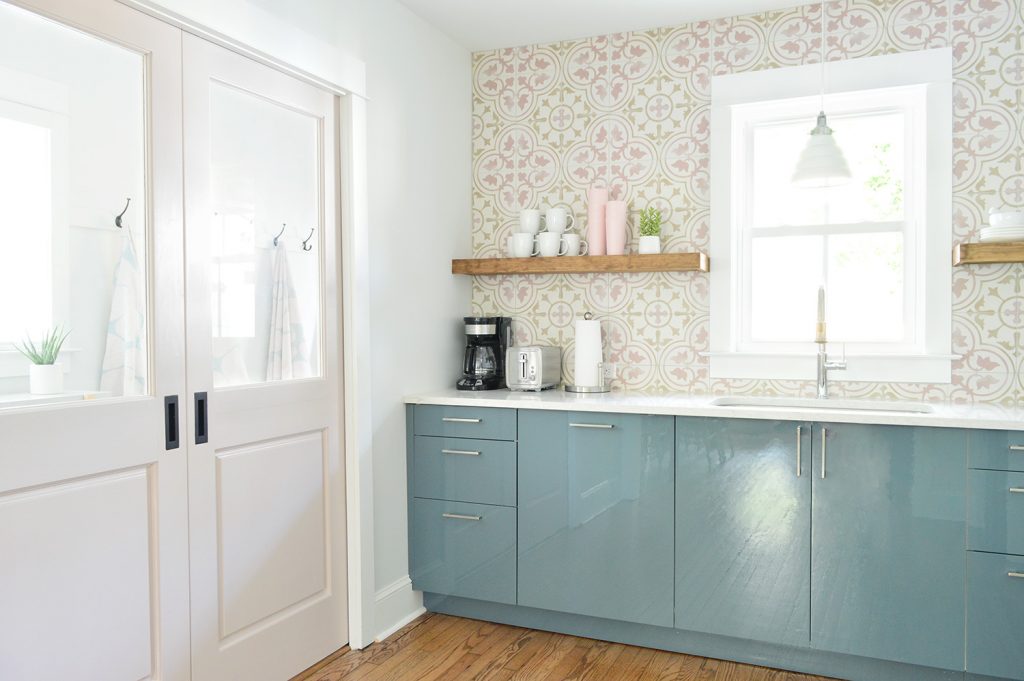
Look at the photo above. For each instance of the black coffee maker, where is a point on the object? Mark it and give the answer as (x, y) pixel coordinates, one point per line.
(484, 365)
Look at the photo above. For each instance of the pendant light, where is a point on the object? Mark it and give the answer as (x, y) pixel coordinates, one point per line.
(821, 164)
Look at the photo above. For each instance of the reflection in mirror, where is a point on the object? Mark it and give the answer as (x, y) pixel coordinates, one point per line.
(265, 288)
(72, 131)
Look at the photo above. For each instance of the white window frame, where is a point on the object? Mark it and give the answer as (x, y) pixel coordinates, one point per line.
(928, 284)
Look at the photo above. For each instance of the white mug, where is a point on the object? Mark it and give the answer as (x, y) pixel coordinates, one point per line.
(550, 244)
(529, 221)
(574, 244)
(522, 245)
(510, 249)
(558, 220)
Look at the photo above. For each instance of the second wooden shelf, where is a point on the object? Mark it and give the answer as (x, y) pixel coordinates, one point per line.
(583, 264)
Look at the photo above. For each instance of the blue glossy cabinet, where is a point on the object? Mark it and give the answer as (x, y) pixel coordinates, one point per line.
(743, 528)
(995, 615)
(888, 543)
(596, 515)
(464, 549)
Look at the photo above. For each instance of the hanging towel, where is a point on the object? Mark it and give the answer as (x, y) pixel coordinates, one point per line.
(124, 360)
(286, 353)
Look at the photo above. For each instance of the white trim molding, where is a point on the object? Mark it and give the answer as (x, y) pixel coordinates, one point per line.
(396, 605)
(925, 354)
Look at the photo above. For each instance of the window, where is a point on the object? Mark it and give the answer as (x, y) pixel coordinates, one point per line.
(26, 227)
(879, 244)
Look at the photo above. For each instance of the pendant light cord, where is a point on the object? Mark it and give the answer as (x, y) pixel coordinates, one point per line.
(822, 55)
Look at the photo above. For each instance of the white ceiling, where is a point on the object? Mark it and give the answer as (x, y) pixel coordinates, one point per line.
(489, 24)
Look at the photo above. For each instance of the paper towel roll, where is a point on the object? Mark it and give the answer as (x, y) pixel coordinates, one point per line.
(588, 352)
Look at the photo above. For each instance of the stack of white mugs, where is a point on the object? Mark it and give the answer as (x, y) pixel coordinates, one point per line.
(548, 235)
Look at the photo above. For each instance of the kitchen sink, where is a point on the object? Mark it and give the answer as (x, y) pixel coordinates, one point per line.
(812, 403)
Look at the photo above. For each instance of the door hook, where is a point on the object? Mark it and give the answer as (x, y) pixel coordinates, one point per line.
(283, 225)
(117, 220)
(306, 246)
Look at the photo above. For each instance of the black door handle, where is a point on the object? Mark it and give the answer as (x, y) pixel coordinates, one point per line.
(171, 422)
(202, 429)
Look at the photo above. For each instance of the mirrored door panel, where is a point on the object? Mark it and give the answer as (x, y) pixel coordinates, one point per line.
(265, 234)
(72, 135)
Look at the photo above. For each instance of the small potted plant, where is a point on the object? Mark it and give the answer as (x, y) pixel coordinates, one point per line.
(45, 376)
(650, 231)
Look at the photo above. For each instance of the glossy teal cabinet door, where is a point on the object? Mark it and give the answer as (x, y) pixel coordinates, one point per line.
(743, 528)
(460, 469)
(596, 514)
(995, 615)
(462, 549)
(888, 542)
(485, 423)
(996, 513)
(999, 450)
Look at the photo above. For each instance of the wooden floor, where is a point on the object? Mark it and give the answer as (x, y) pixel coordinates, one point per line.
(444, 648)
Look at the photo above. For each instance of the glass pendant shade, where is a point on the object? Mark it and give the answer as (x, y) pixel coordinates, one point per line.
(821, 163)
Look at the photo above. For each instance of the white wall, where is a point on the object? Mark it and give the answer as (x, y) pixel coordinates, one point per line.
(418, 83)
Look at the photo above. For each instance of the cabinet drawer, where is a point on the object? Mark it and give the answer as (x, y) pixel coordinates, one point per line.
(999, 450)
(479, 422)
(995, 615)
(996, 512)
(480, 471)
(465, 550)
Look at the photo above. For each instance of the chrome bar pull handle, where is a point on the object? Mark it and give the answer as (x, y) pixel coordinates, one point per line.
(460, 452)
(824, 436)
(460, 516)
(452, 419)
(1017, 448)
(1017, 490)
(1015, 575)
(600, 426)
(799, 442)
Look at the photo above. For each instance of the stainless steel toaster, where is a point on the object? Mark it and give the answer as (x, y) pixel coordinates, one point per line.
(533, 367)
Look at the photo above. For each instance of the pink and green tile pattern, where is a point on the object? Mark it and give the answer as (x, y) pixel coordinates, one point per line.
(630, 111)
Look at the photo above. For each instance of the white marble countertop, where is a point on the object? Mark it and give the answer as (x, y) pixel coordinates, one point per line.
(992, 417)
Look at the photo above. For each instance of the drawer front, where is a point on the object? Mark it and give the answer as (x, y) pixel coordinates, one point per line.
(478, 422)
(995, 615)
(459, 469)
(999, 450)
(996, 512)
(466, 550)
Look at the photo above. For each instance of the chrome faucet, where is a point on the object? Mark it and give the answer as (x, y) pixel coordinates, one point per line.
(824, 363)
(824, 366)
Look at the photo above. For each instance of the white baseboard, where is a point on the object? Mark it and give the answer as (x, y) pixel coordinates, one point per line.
(396, 605)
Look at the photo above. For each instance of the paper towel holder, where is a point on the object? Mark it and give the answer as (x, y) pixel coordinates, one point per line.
(602, 384)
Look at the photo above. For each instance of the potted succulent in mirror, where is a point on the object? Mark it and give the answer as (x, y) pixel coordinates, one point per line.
(650, 231)
(45, 376)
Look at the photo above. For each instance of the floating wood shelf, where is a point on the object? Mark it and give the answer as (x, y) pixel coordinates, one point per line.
(988, 253)
(585, 264)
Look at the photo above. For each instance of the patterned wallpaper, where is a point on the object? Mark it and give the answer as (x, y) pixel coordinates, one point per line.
(631, 111)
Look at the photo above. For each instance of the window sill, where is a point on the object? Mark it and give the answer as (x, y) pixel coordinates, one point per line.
(870, 368)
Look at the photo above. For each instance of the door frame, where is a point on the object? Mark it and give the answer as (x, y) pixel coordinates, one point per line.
(352, 199)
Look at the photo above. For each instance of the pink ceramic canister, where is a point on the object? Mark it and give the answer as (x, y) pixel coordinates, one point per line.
(615, 227)
(597, 198)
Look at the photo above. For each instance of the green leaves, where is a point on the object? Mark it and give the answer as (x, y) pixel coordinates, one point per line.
(49, 346)
(650, 222)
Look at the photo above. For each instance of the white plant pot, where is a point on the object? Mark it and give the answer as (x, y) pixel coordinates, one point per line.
(45, 379)
(650, 245)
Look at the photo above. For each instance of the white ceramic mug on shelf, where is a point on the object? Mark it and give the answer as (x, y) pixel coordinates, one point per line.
(574, 245)
(550, 244)
(558, 220)
(522, 245)
(529, 221)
